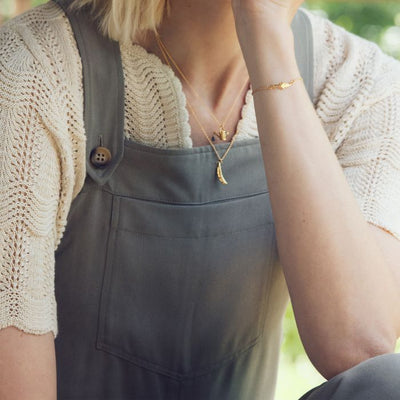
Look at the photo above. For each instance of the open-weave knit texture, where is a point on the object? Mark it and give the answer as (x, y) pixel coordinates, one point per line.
(42, 138)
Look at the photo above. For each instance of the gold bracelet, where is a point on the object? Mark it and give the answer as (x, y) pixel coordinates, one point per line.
(280, 85)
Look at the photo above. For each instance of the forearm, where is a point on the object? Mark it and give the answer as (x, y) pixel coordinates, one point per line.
(342, 291)
(27, 366)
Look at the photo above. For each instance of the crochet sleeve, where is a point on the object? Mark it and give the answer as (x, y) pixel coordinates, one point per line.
(357, 97)
(38, 157)
(370, 157)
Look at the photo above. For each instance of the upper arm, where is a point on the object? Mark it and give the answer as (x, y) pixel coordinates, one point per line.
(42, 155)
(390, 247)
(370, 157)
(29, 204)
(357, 88)
(358, 102)
(27, 365)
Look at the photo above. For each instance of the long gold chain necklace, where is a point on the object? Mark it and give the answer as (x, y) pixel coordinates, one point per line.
(222, 132)
(220, 175)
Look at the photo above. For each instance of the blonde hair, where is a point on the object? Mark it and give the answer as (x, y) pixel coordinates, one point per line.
(125, 20)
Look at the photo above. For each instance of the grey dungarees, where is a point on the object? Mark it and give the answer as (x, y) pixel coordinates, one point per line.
(167, 282)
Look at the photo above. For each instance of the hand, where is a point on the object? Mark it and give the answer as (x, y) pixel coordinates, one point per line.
(265, 11)
(264, 31)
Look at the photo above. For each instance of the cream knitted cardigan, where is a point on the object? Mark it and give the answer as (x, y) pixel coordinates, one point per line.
(42, 138)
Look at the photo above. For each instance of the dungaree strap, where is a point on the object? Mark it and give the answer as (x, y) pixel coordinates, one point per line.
(103, 83)
(304, 49)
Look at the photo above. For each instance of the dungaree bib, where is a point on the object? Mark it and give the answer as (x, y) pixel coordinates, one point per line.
(168, 282)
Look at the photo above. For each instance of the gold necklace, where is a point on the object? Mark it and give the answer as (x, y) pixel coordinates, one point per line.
(220, 175)
(222, 132)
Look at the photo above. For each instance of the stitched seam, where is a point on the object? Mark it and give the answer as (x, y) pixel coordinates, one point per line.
(164, 201)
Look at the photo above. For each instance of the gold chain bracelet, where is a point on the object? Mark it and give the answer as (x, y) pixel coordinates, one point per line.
(280, 85)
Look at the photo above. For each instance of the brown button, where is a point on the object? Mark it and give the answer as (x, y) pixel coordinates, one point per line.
(100, 156)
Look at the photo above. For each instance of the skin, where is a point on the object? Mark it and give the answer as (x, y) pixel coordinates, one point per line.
(27, 365)
(342, 272)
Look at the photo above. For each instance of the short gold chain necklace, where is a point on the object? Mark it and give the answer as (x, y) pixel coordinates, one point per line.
(222, 132)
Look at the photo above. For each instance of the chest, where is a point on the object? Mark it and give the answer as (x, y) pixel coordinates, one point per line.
(158, 114)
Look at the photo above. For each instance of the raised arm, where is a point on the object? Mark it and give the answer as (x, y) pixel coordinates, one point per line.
(343, 287)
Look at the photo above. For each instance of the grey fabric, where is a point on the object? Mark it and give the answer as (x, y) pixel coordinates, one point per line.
(375, 379)
(168, 283)
(103, 86)
(103, 82)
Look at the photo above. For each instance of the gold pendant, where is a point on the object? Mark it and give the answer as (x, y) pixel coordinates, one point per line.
(223, 134)
(219, 173)
(284, 85)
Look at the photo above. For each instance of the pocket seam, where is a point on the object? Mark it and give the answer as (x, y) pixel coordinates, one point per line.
(255, 227)
(103, 311)
(148, 365)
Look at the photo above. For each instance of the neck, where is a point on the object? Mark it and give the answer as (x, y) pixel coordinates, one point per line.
(201, 37)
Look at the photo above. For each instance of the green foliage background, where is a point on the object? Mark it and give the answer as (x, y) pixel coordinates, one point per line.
(375, 21)
(378, 22)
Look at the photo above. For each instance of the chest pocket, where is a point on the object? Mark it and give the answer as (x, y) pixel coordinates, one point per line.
(185, 286)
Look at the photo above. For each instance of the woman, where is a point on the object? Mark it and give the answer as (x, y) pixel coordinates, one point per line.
(167, 277)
